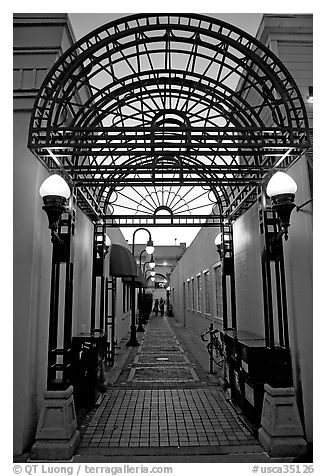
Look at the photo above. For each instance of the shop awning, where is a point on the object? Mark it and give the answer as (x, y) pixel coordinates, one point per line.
(140, 281)
(122, 262)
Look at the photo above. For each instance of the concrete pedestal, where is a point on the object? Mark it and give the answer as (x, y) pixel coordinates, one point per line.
(281, 433)
(57, 436)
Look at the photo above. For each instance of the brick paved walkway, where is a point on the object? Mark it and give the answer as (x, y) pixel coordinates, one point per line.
(164, 403)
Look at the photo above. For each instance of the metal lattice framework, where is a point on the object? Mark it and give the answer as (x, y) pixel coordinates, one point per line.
(179, 114)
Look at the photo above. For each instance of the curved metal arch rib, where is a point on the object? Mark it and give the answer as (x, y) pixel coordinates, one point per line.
(96, 112)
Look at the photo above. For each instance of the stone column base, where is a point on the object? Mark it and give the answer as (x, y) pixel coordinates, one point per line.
(281, 433)
(57, 436)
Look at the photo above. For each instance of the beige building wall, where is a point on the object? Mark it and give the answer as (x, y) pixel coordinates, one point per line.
(290, 37)
(39, 39)
(33, 55)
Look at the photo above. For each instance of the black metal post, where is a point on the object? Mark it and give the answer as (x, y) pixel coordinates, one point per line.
(211, 360)
(133, 238)
(59, 356)
(140, 327)
(228, 288)
(133, 341)
(98, 280)
(274, 296)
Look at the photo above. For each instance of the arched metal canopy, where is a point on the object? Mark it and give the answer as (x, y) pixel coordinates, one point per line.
(178, 114)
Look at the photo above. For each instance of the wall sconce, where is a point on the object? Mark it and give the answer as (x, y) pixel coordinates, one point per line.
(218, 243)
(310, 97)
(55, 192)
(104, 242)
(152, 278)
(281, 189)
(152, 263)
(150, 247)
(153, 273)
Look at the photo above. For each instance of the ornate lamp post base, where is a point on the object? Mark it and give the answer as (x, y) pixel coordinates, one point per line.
(57, 436)
(281, 433)
(140, 327)
(133, 341)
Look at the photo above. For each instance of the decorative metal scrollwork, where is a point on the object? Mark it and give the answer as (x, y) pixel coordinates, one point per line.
(168, 100)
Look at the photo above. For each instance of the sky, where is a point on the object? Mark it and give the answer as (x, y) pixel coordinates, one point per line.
(84, 23)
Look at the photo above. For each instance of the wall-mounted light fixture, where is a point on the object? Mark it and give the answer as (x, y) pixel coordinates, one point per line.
(219, 244)
(281, 189)
(103, 243)
(310, 97)
(55, 193)
(153, 273)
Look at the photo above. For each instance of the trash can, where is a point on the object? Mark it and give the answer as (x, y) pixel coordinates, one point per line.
(88, 368)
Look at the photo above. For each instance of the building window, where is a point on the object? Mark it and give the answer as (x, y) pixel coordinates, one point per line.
(128, 297)
(207, 293)
(193, 293)
(218, 291)
(124, 286)
(188, 293)
(199, 293)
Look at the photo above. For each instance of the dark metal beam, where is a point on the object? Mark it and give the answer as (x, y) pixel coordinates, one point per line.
(162, 220)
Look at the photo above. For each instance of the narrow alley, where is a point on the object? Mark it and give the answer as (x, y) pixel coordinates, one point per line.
(163, 162)
(165, 407)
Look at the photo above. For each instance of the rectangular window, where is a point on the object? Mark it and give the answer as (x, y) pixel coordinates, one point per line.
(128, 297)
(188, 293)
(199, 293)
(207, 292)
(218, 291)
(193, 293)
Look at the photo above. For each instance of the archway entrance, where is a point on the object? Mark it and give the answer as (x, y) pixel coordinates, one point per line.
(175, 111)
(179, 114)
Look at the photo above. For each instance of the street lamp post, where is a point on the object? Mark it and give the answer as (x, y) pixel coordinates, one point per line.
(274, 221)
(140, 327)
(224, 247)
(57, 432)
(133, 341)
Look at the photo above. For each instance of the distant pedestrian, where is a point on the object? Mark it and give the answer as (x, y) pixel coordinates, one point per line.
(156, 307)
(161, 306)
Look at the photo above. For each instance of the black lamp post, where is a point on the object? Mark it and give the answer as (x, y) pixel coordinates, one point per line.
(57, 432)
(149, 247)
(55, 193)
(133, 341)
(140, 327)
(151, 275)
(224, 247)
